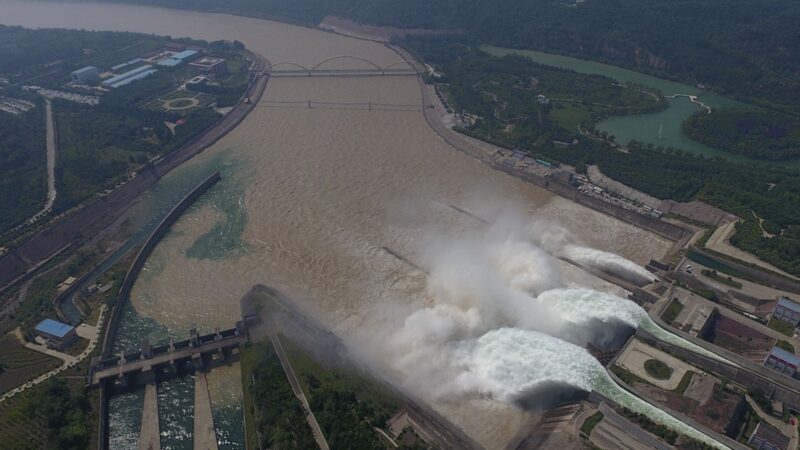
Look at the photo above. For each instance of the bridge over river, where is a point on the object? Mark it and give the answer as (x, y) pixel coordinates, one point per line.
(323, 69)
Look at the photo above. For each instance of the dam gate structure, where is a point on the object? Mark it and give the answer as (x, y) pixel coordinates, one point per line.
(151, 364)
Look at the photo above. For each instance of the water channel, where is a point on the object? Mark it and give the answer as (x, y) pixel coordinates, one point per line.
(660, 128)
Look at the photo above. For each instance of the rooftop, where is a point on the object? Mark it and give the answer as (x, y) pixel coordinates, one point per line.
(85, 69)
(207, 61)
(53, 328)
(771, 435)
(184, 54)
(788, 304)
(782, 354)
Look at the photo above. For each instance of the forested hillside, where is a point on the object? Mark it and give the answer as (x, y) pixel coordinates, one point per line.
(22, 158)
(742, 48)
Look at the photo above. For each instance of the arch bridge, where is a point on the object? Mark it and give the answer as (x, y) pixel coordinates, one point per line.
(291, 69)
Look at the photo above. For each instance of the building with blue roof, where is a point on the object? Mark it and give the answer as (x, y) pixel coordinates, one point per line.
(782, 361)
(170, 62)
(130, 76)
(185, 55)
(85, 75)
(57, 335)
(787, 311)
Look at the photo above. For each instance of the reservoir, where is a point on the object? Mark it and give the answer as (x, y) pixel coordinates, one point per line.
(659, 128)
(309, 200)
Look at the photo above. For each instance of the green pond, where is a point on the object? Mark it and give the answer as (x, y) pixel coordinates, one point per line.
(659, 128)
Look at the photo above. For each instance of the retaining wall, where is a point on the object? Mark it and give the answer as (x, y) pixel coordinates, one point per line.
(127, 286)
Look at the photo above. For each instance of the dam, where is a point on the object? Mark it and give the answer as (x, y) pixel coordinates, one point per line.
(308, 199)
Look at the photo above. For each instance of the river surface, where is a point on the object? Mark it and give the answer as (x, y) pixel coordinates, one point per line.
(308, 200)
(659, 128)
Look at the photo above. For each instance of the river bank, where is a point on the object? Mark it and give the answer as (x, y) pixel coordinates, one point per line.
(310, 198)
(661, 128)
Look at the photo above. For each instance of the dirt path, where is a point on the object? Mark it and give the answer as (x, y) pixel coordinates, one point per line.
(720, 242)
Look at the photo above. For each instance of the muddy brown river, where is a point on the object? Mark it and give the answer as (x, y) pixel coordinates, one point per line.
(311, 197)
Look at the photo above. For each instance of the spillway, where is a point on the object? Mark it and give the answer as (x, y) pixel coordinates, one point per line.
(507, 363)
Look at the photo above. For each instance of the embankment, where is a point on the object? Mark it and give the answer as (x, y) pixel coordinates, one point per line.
(127, 286)
(459, 142)
(23, 260)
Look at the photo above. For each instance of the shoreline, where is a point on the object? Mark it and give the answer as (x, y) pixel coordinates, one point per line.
(22, 261)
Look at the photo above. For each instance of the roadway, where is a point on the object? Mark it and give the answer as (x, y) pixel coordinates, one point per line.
(298, 392)
(163, 358)
(89, 219)
(52, 149)
(205, 434)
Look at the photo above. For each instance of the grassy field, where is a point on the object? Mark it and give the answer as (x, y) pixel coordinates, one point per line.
(684, 383)
(781, 327)
(21, 364)
(657, 369)
(671, 313)
(570, 116)
(591, 422)
(18, 428)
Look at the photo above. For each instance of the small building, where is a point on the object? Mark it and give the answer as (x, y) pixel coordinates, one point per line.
(542, 99)
(130, 76)
(765, 437)
(782, 361)
(787, 311)
(57, 335)
(85, 75)
(209, 66)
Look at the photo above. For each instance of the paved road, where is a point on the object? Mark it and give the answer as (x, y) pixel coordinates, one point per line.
(150, 433)
(205, 434)
(614, 431)
(52, 148)
(66, 365)
(287, 367)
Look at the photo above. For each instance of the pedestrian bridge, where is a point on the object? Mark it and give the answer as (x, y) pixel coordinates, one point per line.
(200, 351)
(364, 67)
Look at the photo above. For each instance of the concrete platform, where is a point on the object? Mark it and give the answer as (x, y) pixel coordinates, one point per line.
(150, 434)
(205, 435)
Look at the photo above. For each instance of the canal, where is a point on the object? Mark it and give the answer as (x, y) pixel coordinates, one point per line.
(659, 128)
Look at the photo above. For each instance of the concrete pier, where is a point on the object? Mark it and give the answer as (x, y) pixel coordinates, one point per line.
(205, 435)
(149, 436)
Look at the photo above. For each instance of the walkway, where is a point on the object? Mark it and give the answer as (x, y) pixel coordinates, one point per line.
(298, 392)
(52, 148)
(150, 433)
(66, 365)
(205, 435)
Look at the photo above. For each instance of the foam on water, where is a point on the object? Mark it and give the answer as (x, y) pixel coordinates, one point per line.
(607, 261)
(507, 363)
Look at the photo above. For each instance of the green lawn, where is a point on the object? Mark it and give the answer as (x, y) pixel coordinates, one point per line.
(671, 313)
(684, 383)
(570, 116)
(781, 327)
(657, 369)
(591, 422)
